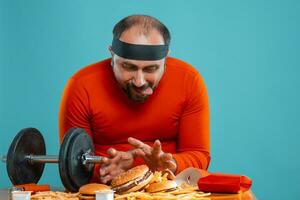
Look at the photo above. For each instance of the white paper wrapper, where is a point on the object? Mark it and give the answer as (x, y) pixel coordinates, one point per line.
(189, 175)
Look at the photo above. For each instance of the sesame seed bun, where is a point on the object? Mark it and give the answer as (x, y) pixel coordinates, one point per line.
(132, 180)
(88, 191)
(129, 175)
(161, 186)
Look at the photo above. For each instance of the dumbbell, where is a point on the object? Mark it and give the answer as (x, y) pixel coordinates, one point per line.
(26, 158)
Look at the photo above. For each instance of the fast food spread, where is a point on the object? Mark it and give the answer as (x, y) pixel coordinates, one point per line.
(138, 183)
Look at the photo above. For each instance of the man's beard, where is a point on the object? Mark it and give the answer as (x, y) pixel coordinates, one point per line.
(131, 91)
(129, 88)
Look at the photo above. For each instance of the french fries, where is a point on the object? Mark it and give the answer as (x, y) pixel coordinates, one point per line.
(190, 193)
(183, 192)
(162, 196)
(158, 177)
(49, 195)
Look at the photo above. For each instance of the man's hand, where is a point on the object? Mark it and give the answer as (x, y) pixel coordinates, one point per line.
(118, 162)
(155, 158)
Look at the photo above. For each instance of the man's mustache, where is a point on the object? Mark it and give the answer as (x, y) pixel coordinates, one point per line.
(143, 87)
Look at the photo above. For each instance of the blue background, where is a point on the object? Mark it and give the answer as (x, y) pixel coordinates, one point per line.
(247, 52)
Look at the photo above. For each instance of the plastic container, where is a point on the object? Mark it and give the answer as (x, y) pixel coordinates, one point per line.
(20, 195)
(105, 195)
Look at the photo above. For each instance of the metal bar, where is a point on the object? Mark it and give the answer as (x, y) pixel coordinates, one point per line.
(37, 159)
(91, 159)
(42, 158)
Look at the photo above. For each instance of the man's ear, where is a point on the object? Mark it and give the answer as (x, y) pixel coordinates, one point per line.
(112, 55)
(168, 54)
(110, 50)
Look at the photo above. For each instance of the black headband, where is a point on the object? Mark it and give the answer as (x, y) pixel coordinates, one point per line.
(139, 51)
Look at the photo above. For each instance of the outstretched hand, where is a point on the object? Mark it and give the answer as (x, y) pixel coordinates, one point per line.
(154, 157)
(116, 163)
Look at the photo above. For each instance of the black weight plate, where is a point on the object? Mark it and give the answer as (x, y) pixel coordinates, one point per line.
(63, 160)
(20, 171)
(80, 173)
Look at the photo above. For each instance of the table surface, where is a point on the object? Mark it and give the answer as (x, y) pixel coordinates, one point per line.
(241, 196)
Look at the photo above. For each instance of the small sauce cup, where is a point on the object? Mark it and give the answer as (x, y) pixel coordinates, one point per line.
(105, 195)
(20, 195)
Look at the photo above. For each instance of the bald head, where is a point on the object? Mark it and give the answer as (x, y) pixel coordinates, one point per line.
(142, 25)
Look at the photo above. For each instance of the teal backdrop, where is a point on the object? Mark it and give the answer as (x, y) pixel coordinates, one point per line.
(247, 51)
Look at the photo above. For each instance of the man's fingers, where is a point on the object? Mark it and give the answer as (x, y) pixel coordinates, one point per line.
(169, 161)
(169, 165)
(137, 153)
(136, 143)
(166, 157)
(139, 144)
(112, 152)
(105, 161)
(106, 179)
(103, 171)
(156, 150)
(111, 173)
(117, 158)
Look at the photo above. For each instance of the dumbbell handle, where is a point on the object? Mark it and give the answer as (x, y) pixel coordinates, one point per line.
(86, 158)
(42, 159)
(38, 158)
(54, 159)
(90, 159)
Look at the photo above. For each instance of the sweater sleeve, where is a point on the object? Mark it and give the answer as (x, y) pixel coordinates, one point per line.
(193, 142)
(74, 109)
(75, 112)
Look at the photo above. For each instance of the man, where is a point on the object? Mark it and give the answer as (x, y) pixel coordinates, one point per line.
(139, 95)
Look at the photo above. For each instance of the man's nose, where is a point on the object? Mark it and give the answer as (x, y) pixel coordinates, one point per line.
(139, 79)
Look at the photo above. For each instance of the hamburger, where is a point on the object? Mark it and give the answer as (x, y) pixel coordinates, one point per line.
(132, 180)
(88, 191)
(163, 186)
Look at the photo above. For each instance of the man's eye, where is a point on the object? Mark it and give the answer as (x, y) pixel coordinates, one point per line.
(128, 67)
(150, 69)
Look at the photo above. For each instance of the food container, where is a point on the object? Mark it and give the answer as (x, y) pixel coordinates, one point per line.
(20, 195)
(105, 195)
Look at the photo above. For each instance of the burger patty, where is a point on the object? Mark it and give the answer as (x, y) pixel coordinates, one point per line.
(169, 190)
(88, 195)
(132, 183)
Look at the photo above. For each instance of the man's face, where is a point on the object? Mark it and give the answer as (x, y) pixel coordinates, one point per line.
(138, 78)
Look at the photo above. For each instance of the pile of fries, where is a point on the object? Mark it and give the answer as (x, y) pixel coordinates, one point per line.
(49, 195)
(191, 193)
